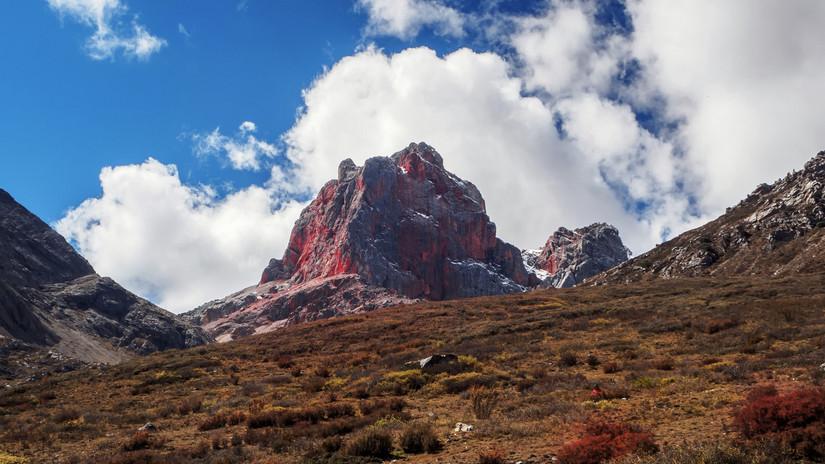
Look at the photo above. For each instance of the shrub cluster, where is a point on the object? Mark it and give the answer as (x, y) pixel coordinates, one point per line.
(382, 407)
(419, 437)
(602, 441)
(484, 401)
(142, 440)
(494, 456)
(371, 442)
(290, 417)
(795, 419)
(222, 419)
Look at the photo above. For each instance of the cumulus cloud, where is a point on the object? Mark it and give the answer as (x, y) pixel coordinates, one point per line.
(111, 36)
(243, 149)
(405, 18)
(176, 244)
(744, 83)
(562, 52)
(552, 135)
(469, 107)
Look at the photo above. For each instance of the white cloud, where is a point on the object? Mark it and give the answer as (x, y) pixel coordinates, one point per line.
(744, 79)
(110, 36)
(561, 52)
(471, 109)
(739, 89)
(243, 150)
(405, 18)
(182, 30)
(179, 245)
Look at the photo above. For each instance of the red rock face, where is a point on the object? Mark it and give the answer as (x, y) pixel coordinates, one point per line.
(402, 223)
(402, 227)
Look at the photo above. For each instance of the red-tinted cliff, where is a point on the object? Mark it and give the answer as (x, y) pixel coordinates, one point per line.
(402, 227)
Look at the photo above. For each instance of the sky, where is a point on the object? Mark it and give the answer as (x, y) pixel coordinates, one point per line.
(175, 143)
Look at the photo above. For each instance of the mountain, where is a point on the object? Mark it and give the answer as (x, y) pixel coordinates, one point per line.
(571, 256)
(777, 230)
(398, 229)
(51, 298)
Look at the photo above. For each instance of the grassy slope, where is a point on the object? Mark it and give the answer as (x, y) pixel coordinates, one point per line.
(686, 352)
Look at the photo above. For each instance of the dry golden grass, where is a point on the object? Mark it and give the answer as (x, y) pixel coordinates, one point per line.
(674, 357)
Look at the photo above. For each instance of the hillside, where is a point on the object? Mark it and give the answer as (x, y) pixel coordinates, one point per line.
(56, 312)
(777, 230)
(675, 357)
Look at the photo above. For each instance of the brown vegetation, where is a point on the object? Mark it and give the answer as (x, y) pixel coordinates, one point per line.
(674, 358)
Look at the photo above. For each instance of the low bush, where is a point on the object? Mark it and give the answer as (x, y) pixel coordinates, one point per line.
(290, 417)
(568, 359)
(401, 382)
(494, 456)
(420, 438)
(382, 407)
(794, 419)
(663, 364)
(189, 405)
(142, 440)
(251, 389)
(602, 441)
(592, 360)
(483, 401)
(272, 439)
(462, 382)
(372, 443)
(611, 368)
(222, 419)
(66, 415)
(716, 453)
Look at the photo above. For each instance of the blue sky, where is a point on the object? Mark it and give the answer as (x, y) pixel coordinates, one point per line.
(65, 115)
(168, 140)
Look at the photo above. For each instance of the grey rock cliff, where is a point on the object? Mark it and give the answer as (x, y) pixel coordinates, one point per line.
(50, 297)
(571, 256)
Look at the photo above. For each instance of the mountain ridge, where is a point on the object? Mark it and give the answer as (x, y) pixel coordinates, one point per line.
(778, 229)
(51, 299)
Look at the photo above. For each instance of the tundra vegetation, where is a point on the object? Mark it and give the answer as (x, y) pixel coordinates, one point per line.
(672, 371)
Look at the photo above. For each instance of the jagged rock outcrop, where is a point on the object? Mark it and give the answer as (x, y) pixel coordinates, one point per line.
(778, 229)
(50, 297)
(571, 256)
(397, 229)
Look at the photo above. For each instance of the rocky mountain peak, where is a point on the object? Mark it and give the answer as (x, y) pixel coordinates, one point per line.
(398, 228)
(571, 256)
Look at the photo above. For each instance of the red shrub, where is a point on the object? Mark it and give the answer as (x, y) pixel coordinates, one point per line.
(795, 419)
(603, 440)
